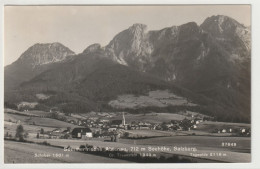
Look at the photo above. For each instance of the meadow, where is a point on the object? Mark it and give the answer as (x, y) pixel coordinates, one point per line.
(202, 139)
(158, 98)
(17, 152)
(152, 117)
(38, 121)
(205, 144)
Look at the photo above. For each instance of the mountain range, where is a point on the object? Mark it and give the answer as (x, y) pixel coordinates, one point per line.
(209, 64)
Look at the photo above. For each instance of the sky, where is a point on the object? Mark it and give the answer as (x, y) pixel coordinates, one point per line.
(77, 27)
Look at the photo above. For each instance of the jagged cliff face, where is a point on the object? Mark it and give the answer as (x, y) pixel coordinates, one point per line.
(174, 53)
(131, 47)
(212, 59)
(178, 48)
(162, 53)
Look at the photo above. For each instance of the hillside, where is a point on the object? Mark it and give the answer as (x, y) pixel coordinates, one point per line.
(33, 61)
(212, 59)
(88, 82)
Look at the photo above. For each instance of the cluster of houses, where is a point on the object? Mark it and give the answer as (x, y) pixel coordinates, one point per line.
(238, 131)
(111, 125)
(98, 127)
(78, 132)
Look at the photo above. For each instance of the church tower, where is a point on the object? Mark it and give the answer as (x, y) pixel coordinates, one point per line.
(123, 121)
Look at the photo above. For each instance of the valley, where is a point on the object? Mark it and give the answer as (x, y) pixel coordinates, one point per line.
(174, 95)
(236, 148)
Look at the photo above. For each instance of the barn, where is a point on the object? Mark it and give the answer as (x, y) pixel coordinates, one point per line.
(79, 132)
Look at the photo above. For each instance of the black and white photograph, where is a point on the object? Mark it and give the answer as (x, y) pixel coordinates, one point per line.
(127, 84)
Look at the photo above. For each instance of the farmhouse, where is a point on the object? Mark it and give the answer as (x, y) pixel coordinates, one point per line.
(66, 131)
(55, 135)
(56, 130)
(104, 120)
(194, 126)
(72, 121)
(223, 131)
(112, 129)
(81, 132)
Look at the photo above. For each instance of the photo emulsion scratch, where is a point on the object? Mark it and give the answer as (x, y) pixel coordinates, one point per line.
(127, 84)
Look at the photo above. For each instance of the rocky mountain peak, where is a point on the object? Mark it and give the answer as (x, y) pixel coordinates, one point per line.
(231, 34)
(189, 25)
(138, 28)
(189, 29)
(44, 53)
(129, 45)
(220, 24)
(92, 48)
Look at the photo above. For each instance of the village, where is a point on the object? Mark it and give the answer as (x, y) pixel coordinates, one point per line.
(108, 130)
(100, 125)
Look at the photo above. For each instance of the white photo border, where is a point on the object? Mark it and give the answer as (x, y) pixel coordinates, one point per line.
(255, 83)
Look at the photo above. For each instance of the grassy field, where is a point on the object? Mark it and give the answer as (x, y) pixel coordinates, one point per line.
(34, 113)
(205, 144)
(160, 133)
(31, 129)
(15, 117)
(158, 98)
(242, 143)
(149, 133)
(210, 125)
(152, 117)
(17, 152)
(32, 125)
(38, 121)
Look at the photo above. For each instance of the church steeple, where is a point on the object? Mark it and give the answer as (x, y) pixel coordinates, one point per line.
(123, 121)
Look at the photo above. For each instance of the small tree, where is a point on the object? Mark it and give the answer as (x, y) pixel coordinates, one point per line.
(164, 126)
(19, 133)
(82, 146)
(126, 134)
(42, 131)
(37, 136)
